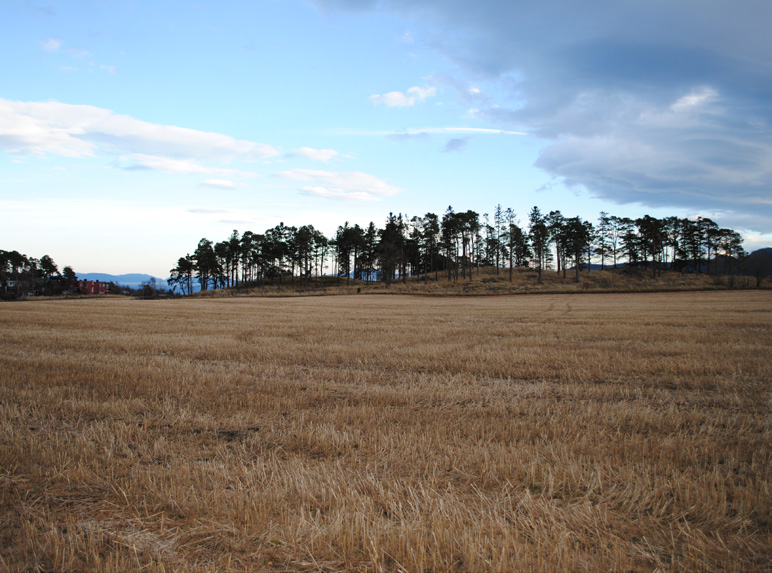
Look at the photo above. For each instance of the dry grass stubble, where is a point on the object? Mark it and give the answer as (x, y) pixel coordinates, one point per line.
(625, 432)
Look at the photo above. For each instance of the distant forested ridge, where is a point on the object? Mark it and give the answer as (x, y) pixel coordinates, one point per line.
(454, 244)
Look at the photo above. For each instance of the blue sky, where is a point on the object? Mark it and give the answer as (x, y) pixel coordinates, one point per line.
(131, 129)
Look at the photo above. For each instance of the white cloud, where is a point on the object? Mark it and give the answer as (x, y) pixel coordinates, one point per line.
(422, 93)
(207, 211)
(351, 185)
(173, 165)
(51, 44)
(68, 130)
(399, 99)
(392, 99)
(54, 45)
(362, 196)
(467, 130)
(219, 183)
(323, 155)
(608, 90)
(694, 99)
(78, 53)
(422, 131)
(31, 129)
(237, 221)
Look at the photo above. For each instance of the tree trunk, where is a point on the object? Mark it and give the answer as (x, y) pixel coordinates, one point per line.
(577, 262)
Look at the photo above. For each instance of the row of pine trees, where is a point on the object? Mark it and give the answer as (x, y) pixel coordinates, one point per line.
(22, 274)
(452, 245)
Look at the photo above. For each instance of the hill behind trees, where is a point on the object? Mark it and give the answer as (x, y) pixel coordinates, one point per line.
(131, 280)
(486, 282)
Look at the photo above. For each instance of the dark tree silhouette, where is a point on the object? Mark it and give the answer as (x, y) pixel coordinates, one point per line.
(205, 263)
(540, 237)
(182, 274)
(576, 237)
(418, 246)
(390, 247)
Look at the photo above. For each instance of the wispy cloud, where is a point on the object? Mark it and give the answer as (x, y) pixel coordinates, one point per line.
(348, 185)
(455, 144)
(236, 221)
(424, 131)
(400, 99)
(694, 99)
(54, 45)
(51, 44)
(219, 183)
(327, 193)
(206, 211)
(41, 128)
(402, 136)
(78, 52)
(323, 155)
(469, 130)
(173, 165)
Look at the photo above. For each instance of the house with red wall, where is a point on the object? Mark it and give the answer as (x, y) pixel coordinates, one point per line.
(93, 287)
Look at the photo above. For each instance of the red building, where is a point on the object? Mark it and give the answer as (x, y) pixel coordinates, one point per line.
(93, 287)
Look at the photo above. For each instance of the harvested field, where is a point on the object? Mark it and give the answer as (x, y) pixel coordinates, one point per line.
(387, 433)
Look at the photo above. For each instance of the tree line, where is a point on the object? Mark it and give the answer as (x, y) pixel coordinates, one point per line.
(454, 245)
(22, 275)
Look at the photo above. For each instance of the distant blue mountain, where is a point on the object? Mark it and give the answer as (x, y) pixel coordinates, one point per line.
(132, 280)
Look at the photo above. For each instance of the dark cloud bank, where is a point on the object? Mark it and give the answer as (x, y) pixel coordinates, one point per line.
(662, 102)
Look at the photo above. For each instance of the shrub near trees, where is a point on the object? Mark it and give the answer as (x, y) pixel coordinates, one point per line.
(455, 244)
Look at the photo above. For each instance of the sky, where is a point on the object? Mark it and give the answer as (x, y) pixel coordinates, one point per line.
(130, 129)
